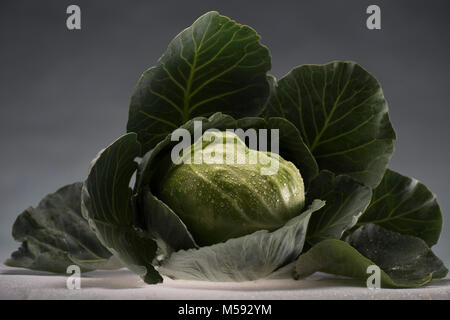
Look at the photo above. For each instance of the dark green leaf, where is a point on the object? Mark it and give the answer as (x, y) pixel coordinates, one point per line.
(106, 203)
(404, 261)
(404, 205)
(339, 258)
(249, 257)
(214, 65)
(404, 258)
(340, 110)
(54, 235)
(345, 200)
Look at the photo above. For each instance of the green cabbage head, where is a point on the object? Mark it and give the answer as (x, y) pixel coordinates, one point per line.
(222, 189)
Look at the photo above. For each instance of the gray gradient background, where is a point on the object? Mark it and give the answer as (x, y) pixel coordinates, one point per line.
(64, 94)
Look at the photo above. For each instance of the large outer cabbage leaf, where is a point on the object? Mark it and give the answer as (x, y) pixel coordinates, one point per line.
(340, 110)
(214, 65)
(54, 235)
(404, 205)
(106, 203)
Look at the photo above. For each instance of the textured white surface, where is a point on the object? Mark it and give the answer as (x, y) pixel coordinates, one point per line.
(122, 284)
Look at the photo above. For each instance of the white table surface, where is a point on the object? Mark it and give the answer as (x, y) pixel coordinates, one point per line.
(17, 283)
